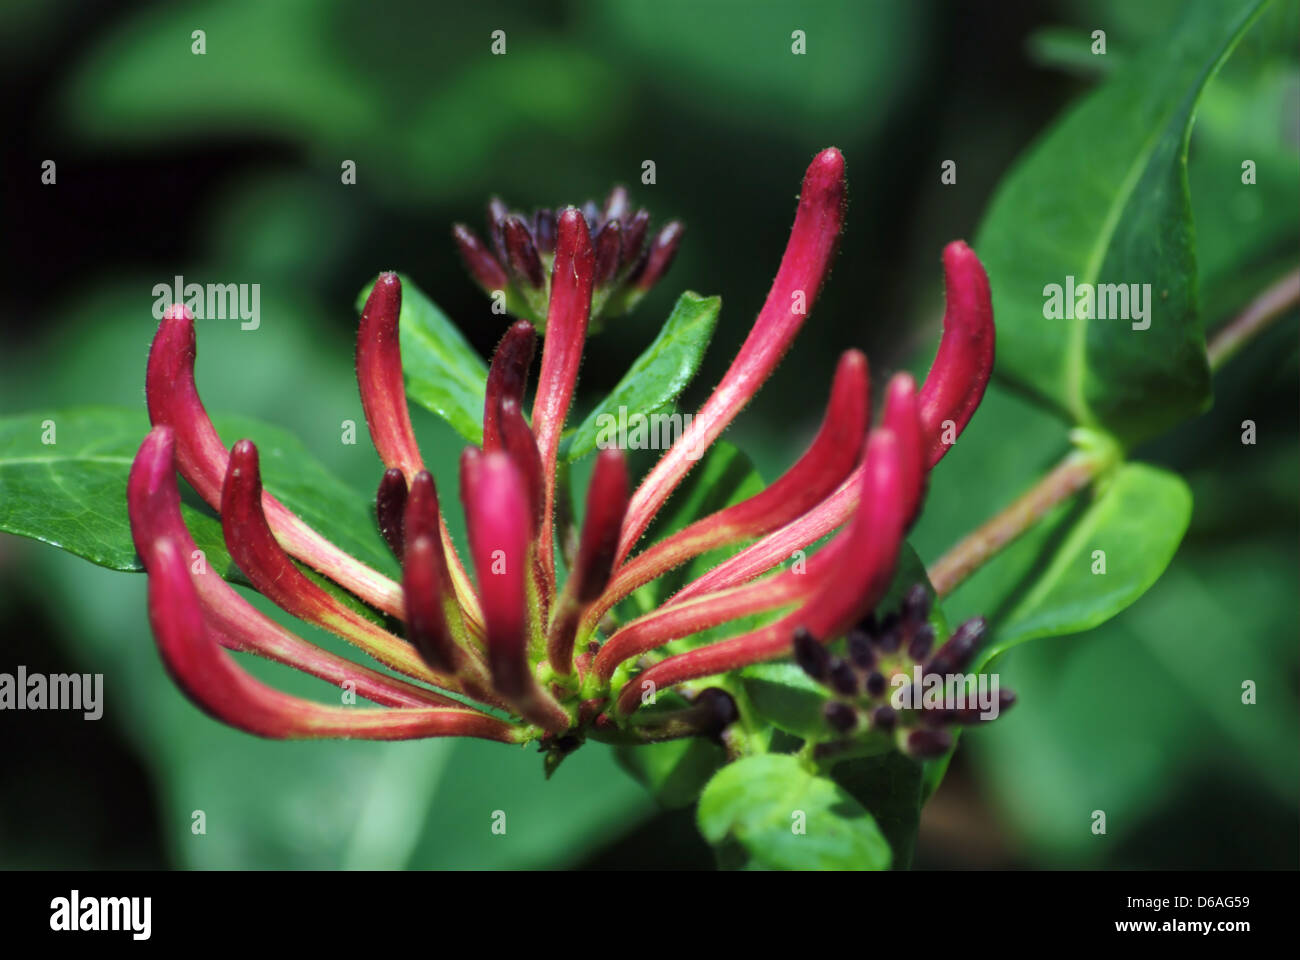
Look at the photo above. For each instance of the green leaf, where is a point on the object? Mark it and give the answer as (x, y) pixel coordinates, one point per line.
(72, 493)
(657, 376)
(770, 812)
(1103, 198)
(890, 786)
(443, 373)
(1137, 522)
(675, 771)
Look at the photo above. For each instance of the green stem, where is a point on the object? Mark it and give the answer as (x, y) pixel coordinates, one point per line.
(1259, 313)
(1080, 468)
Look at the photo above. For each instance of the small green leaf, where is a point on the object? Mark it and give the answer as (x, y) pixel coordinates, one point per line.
(657, 376)
(1103, 199)
(769, 812)
(674, 771)
(890, 785)
(443, 373)
(72, 493)
(1130, 531)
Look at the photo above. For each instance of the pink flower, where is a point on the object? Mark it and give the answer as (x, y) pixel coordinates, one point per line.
(515, 639)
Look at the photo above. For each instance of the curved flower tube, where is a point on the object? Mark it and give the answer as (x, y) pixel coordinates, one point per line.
(154, 508)
(799, 279)
(827, 461)
(566, 323)
(955, 384)
(845, 595)
(219, 687)
(201, 458)
(512, 638)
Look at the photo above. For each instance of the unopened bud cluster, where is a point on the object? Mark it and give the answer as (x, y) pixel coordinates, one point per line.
(520, 256)
(881, 657)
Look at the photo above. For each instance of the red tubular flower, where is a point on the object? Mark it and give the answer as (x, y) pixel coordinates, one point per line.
(510, 639)
(379, 374)
(154, 507)
(267, 566)
(383, 398)
(962, 367)
(201, 458)
(434, 621)
(845, 594)
(507, 378)
(390, 505)
(902, 418)
(823, 466)
(220, 688)
(606, 505)
(520, 445)
(498, 517)
(794, 291)
(566, 323)
(683, 618)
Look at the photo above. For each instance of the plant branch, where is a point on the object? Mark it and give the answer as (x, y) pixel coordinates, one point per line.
(1079, 469)
(1261, 311)
(1065, 480)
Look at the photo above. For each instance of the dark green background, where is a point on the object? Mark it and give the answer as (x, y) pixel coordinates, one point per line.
(227, 166)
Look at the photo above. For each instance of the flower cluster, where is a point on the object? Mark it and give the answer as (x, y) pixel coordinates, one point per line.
(517, 652)
(886, 682)
(521, 260)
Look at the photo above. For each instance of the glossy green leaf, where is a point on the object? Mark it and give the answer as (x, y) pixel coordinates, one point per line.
(657, 376)
(443, 373)
(889, 785)
(770, 812)
(72, 493)
(1130, 531)
(1103, 199)
(674, 771)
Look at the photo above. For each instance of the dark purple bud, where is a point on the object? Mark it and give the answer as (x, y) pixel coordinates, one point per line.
(390, 507)
(956, 653)
(884, 718)
(843, 680)
(928, 743)
(482, 266)
(662, 251)
(919, 646)
(544, 230)
(634, 235)
(591, 213)
(811, 655)
(525, 265)
(916, 604)
(497, 214)
(890, 640)
(869, 624)
(609, 251)
(717, 710)
(860, 652)
(876, 683)
(1006, 699)
(840, 716)
(616, 204)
